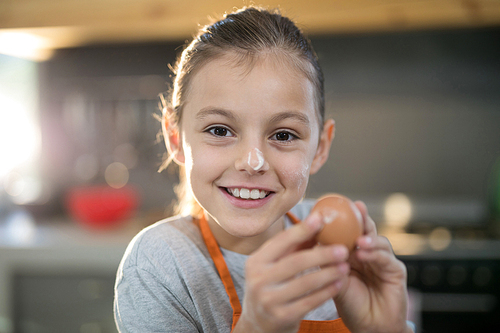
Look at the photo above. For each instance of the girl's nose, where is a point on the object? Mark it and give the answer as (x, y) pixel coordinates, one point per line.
(252, 162)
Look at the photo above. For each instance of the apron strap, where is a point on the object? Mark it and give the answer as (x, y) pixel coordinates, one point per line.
(293, 218)
(220, 264)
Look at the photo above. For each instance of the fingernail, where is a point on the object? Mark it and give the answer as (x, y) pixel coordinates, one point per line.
(344, 268)
(340, 251)
(314, 220)
(339, 284)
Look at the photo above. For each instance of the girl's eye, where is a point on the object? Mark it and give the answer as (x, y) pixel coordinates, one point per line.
(284, 136)
(219, 131)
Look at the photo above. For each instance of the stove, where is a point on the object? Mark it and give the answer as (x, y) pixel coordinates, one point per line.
(454, 284)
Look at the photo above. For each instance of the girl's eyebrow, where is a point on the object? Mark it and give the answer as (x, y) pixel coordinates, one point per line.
(208, 111)
(290, 114)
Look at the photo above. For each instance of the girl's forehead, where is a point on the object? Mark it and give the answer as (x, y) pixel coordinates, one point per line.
(269, 81)
(276, 59)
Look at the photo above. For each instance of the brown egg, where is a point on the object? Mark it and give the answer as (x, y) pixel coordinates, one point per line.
(343, 220)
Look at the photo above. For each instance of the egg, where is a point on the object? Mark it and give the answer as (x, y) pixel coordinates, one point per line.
(343, 221)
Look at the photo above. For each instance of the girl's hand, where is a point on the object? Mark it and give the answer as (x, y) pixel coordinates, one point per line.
(374, 296)
(282, 282)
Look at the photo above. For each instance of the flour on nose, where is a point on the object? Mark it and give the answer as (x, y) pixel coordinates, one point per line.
(255, 159)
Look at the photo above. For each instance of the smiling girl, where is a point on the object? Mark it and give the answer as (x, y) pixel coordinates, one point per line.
(246, 124)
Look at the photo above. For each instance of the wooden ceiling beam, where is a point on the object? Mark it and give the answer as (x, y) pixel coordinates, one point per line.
(68, 23)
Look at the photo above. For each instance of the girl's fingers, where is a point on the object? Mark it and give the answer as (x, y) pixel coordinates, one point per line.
(378, 254)
(298, 262)
(289, 240)
(306, 284)
(304, 305)
(374, 243)
(378, 257)
(369, 227)
(298, 308)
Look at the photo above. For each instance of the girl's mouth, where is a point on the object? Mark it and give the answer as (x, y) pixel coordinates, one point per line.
(247, 194)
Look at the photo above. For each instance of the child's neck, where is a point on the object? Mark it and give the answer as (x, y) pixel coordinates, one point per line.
(243, 245)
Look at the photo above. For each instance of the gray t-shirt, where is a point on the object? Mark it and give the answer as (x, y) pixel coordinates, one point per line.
(167, 282)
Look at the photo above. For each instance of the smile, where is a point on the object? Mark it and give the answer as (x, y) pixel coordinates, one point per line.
(245, 193)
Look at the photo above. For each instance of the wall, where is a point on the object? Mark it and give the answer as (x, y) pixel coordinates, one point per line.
(416, 112)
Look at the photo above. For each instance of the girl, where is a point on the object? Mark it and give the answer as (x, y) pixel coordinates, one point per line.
(246, 125)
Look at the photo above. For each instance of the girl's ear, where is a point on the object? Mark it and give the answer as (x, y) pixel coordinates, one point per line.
(172, 136)
(323, 151)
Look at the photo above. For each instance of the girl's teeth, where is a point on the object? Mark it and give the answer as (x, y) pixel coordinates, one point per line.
(245, 193)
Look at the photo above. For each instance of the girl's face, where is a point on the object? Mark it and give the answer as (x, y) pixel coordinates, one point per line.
(250, 130)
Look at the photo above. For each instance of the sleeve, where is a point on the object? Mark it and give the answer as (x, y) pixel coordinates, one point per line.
(143, 304)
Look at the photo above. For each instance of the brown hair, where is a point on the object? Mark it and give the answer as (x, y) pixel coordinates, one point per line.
(248, 33)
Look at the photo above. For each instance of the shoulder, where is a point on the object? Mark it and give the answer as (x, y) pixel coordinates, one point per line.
(164, 242)
(167, 279)
(153, 285)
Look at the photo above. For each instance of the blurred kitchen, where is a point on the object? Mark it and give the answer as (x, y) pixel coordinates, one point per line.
(414, 88)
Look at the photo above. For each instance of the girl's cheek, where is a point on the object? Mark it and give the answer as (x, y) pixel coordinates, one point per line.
(207, 161)
(293, 170)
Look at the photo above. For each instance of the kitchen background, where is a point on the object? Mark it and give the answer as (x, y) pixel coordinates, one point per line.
(414, 88)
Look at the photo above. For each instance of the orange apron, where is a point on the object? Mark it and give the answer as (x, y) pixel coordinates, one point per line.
(323, 326)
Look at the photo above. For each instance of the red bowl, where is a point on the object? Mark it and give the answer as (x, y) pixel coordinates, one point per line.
(102, 206)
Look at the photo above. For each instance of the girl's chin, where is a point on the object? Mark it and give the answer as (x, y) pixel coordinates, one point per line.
(248, 227)
(244, 228)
